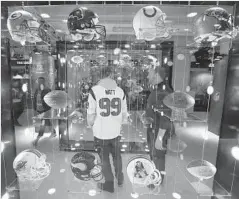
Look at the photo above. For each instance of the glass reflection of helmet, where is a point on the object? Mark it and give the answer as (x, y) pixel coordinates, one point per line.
(84, 166)
(148, 24)
(82, 25)
(213, 25)
(23, 26)
(31, 165)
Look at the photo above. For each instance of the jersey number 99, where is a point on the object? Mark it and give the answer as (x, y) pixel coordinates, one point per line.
(107, 105)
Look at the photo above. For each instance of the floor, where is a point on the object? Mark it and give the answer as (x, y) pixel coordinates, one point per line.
(61, 183)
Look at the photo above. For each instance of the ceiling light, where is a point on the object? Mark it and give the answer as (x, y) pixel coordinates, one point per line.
(176, 195)
(44, 15)
(235, 152)
(64, 20)
(58, 30)
(124, 145)
(192, 14)
(101, 46)
(51, 191)
(186, 29)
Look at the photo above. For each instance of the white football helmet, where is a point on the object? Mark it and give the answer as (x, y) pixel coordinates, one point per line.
(31, 165)
(23, 26)
(149, 23)
(142, 171)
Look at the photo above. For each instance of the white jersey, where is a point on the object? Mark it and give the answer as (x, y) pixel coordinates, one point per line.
(108, 102)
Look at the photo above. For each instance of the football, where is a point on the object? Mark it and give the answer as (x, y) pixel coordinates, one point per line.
(57, 99)
(179, 100)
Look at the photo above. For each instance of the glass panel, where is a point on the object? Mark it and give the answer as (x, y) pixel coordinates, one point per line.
(172, 152)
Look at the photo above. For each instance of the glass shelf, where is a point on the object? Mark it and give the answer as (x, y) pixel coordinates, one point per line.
(17, 185)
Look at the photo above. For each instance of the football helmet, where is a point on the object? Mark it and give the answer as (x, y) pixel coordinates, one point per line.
(23, 26)
(82, 25)
(85, 166)
(142, 171)
(213, 25)
(149, 24)
(31, 165)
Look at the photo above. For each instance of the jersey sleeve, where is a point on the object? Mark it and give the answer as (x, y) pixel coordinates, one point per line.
(124, 104)
(91, 104)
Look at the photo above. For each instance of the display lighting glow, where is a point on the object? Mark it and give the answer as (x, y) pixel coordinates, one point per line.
(62, 170)
(92, 192)
(235, 152)
(210, 90)
(147, 150)
(51, 191)
(127, 46)
(119, 78)
(176, 195)
(188, 88)
(73, 149)
(192, 14)
(124, 145)
(116, 62)
(101, 46)
(77, 144)
(205, 135)
(2, 147)
(117, 51)
(152, 46)
(64, 20)
(165, 60)
(6, 196)
(24, 87)
(134, 195)
(45, 15)
(63, 60)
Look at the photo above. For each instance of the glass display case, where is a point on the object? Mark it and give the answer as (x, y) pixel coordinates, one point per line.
(54, 60)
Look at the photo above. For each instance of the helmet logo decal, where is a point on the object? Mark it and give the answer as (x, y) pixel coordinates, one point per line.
(148, 15)
(16, 15)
